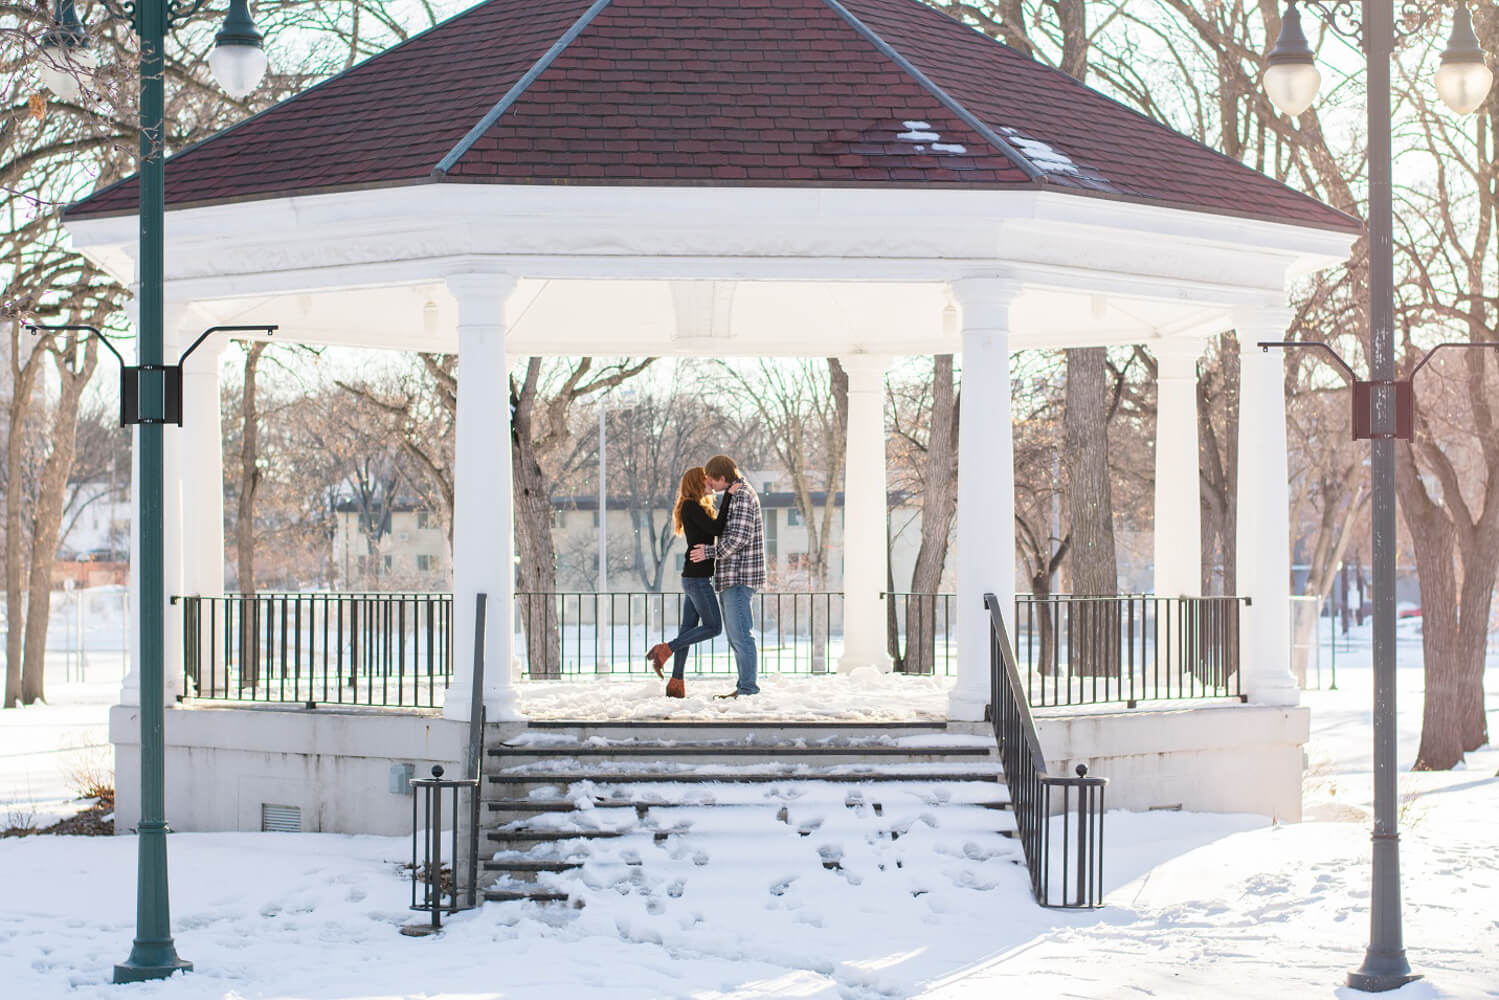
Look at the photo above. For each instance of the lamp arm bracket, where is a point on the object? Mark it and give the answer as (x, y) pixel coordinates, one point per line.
(122, 10)
(37, 328)
(1451, 343)
(1343, 17)
(266, 328)
(1265, 345)
(180, 10)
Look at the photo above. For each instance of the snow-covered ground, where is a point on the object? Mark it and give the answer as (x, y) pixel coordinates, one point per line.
(1197, 905)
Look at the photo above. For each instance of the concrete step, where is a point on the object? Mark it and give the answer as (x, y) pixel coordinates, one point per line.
(739, 753)
(526, 869)
(554, 731)
(540, 804)
(524, 893)
(527, 838)
(541, 776)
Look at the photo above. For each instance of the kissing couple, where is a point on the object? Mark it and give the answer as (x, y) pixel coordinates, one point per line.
(725, 565)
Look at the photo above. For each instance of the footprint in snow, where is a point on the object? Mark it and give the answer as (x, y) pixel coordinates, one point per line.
(977, 852)
(807, 827)
(779, 888)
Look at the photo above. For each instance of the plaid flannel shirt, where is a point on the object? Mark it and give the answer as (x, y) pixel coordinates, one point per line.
(740, 551)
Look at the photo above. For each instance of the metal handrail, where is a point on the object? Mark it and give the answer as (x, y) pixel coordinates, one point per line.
(1032, 788)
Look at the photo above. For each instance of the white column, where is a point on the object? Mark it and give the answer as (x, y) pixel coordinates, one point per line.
(130, 687)
(865, 550)
(483, 506)
(985, 543)
(1178, 493)
(171, 562)
(201, 445)
(178, 330)
(1263, 512)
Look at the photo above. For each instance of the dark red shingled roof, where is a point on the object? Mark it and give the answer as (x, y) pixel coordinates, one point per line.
(712, 92)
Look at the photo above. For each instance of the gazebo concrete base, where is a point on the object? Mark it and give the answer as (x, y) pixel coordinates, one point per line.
(344, 770)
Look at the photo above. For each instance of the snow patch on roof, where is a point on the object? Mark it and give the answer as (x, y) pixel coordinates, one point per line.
(922, 132)
(1046, 157)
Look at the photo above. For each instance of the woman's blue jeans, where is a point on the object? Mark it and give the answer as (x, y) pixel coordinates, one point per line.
(701, 619)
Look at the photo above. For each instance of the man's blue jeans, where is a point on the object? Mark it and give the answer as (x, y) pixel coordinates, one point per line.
(738, 623)
(700, 619)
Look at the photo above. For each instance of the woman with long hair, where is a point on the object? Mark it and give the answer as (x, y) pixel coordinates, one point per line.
(693, 517)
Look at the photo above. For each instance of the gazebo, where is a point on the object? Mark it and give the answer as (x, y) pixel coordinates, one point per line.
(746, 178)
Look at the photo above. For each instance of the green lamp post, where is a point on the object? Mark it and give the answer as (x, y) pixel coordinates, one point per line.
(238, 63)
(1463, 81)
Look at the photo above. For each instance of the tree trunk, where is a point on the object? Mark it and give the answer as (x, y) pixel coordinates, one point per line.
(1218, 421)
(73, 375)
(1454, 617)
(244, 520)
(23, 395)
(533, 537)
(1090, 499)
(939, 506)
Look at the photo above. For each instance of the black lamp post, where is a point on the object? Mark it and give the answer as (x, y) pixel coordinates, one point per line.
(238, 63)
(1291, 80)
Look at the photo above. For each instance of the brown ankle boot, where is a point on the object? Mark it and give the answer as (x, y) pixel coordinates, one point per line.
(675, 688)
(658, 656)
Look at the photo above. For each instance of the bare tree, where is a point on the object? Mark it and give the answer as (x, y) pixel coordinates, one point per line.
(25, 369)
(924, 421)
(74, 356)
(803, 409)
(54, 151)
(541, 399)
(420, 411)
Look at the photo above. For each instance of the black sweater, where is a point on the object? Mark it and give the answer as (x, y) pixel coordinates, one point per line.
(700, 529)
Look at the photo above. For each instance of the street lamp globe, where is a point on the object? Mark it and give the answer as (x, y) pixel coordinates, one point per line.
(1291, 77)
(237, 60)
(1463, 80)
(67, 59)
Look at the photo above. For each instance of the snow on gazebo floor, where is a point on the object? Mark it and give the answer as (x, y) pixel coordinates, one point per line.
(864, 695)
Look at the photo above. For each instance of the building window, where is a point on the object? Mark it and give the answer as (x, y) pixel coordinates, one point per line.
(388, 561)
(364, 565)
(423, 563)
(793, 517)
(421, 519)
(595, 519)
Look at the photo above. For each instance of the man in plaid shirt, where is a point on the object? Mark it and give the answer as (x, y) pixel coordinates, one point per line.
(739, 569)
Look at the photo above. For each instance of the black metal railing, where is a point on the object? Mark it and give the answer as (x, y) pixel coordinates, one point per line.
(375, 649)
(477, 717)
(565, 634)
(431, 882)
(1131, 648)
(926, 632)
(1065, 857)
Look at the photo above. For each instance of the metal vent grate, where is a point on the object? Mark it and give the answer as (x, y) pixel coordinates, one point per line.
(280, 819)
